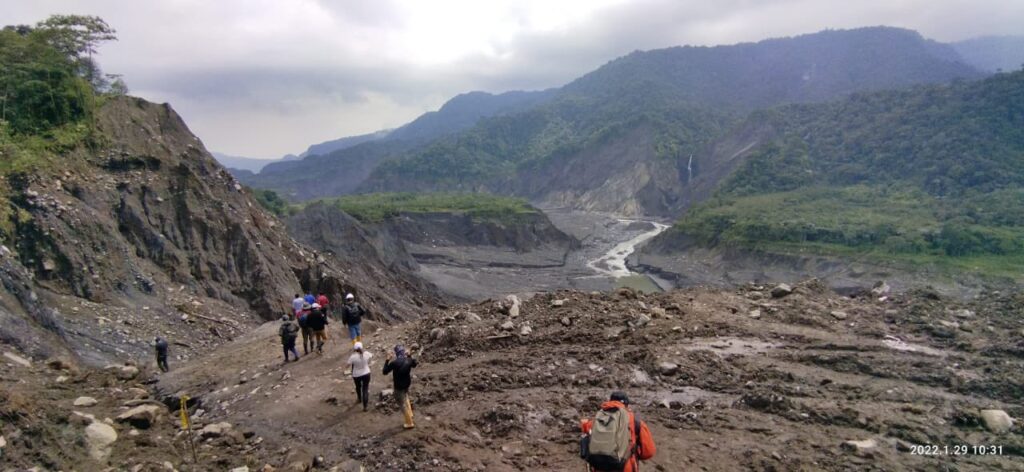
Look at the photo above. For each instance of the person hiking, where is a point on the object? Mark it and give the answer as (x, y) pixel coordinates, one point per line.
(324, 302)
(615, 440)
(352, 316)
(359, 363)
(316, 321)
(307, 335)
(297, 305)
(288, 331)
(401, 366)
(161, 353)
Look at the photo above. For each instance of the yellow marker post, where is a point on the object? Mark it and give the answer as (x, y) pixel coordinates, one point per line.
(186, 424)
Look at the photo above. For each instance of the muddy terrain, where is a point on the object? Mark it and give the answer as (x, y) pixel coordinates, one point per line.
(747, 379)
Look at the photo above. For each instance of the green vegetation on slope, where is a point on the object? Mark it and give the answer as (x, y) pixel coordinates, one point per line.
(376, 207)
(497, 148)
(933, 174)
(49, 89)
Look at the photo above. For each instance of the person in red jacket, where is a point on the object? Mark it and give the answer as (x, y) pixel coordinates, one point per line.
(641, 442)
(324, 303)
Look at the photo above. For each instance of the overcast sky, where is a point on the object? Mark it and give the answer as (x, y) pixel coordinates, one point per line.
(263, 78)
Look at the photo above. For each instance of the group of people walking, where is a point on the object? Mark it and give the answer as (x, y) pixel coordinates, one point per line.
(614, 440)
(310, 317)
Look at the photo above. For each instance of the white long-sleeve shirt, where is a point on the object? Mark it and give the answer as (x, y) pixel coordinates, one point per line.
(360, 364)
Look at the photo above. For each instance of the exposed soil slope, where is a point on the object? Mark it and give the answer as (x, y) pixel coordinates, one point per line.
(144, 234)
(727, 380)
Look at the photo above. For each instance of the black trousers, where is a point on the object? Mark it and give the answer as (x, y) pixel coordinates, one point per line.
(362, 389)
(161, 362)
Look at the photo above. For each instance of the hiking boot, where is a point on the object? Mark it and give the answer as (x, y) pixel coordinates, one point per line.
(408, 426)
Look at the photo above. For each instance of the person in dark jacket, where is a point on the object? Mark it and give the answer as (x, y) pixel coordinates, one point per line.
(307, 334)
(316, 321)
(161, 354)
(288, 332)
(352, 316)
(400, 366)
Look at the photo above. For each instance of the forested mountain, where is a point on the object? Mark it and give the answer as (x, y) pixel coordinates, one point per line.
(993, 53)
(337, 167)
(654, 110)
(930, 171)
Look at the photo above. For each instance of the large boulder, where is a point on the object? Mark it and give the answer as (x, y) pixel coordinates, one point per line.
(85, 401)
(215, 430)
(781, 290)
(99, 437)
(142, 416)
(996, 421)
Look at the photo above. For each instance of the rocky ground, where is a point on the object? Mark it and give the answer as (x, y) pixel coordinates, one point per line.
(748, 379)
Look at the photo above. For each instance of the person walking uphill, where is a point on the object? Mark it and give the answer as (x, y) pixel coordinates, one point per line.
(401, 366)
(161, 353)
(288, 332)
(316, 321)
(359, 362)
(307, 334)
(615, 440)
(352, 316)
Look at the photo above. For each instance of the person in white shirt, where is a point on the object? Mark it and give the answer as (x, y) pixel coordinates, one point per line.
(359, 362)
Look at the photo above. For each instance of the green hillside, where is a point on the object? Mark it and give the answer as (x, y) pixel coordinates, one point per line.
(372, 208)
(689, 95)
(932, 174)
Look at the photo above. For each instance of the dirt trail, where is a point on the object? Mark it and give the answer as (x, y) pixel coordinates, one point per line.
(756, 383)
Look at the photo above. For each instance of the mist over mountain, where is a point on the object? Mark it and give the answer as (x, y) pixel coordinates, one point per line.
(992, 53)
(338, 167)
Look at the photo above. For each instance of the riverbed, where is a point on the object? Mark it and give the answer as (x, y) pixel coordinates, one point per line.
(599, 264)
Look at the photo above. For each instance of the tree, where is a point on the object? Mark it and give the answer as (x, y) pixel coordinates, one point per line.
(77, 37)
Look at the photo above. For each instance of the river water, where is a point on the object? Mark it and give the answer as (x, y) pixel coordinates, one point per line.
(613, 262)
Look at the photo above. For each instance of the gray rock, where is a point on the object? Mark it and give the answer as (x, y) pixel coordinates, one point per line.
(125, 372)
(881, 289)
(839, 315)
(866, 447)
(755, 314)
(18, 359)
(472, 317)
(639, 378)
(668, 368)
(566, 321)
(508, 325)
(525, 331)
(781, 290)
(387, 394)
(557, 303)
(512, 304)
(215, 430)
(243, 468)
(963, 314)
(85, 401)
(996, 421)
(99, 437)
(142, 416)
(658, 312)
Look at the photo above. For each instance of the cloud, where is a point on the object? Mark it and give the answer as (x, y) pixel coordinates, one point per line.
(263, 77)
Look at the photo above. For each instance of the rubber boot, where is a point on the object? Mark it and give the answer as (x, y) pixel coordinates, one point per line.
(407, 411)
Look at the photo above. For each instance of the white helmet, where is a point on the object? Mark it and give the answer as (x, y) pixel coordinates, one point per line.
(350, 297)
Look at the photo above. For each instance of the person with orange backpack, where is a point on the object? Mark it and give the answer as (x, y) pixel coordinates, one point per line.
(615, 440)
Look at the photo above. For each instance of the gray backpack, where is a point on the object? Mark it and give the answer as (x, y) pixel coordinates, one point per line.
(607, 447)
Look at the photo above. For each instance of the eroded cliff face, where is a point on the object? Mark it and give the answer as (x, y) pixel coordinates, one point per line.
(143, 233)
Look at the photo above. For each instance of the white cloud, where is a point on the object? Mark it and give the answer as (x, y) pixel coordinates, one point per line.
(267, 77)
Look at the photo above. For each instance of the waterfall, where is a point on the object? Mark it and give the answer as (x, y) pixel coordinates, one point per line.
(689, 169)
